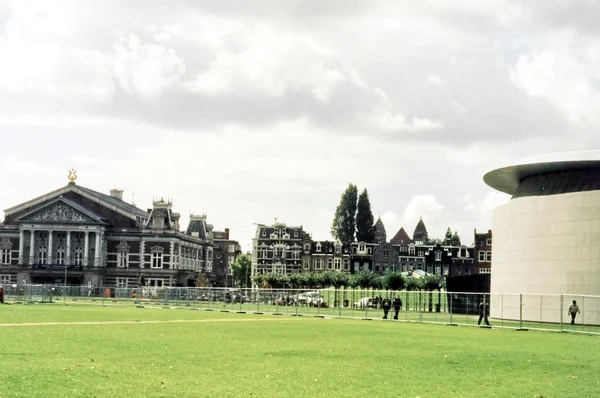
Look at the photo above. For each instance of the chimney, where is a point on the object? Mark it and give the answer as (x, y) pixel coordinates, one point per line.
(226, 233)
(117, 193)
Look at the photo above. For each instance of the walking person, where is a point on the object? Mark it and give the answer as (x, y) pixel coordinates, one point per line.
(484, 310)
(386, 304)
(397, 307)
(573, 310)
(1, 295)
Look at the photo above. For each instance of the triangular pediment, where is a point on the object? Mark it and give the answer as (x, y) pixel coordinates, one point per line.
(61, 210)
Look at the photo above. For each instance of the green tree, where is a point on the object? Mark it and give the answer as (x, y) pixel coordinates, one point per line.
(393, 281)
(241, 269)
(365, 228)
(202, 280)
(448, 237)
(456, 239)
(344, 221)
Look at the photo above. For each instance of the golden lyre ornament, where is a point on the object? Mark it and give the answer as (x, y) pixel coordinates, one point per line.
(72, 175)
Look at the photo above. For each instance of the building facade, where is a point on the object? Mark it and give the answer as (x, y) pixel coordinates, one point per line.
(225, 252)
(483, 252)
(78, 236)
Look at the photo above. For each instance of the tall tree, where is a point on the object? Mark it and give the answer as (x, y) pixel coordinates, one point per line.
(344, 222)
(448, 237)
(456, 239)
(365, 228)
(241, 270)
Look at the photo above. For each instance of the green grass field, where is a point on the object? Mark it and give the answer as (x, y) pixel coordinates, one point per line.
(48, 350)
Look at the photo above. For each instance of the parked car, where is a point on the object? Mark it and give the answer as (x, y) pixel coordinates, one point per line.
(312, 299)
(365, 302)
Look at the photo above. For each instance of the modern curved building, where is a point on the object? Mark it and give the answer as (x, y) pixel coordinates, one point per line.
(547, 238)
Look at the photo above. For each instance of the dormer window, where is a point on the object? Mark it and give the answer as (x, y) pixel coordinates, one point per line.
(488, 241)
(361, 247)
(411, 251)
(438, 255)
(318, 247)
(264, 233)
(338, 248)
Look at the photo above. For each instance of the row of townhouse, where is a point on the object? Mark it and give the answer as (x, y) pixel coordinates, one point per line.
(77, 236)
(287, 249)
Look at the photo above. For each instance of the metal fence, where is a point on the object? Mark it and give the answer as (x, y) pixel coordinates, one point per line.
(518, 311)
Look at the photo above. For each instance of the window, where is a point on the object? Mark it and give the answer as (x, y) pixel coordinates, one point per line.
(122, 282)
(6, 256)
(318, 247)
(338, 248)
(295, 234)
(361, 248)
(5, 279)
(346, 264)
(329, 263)
(122, 259)
(78, 256)
(318, 263)
(446, 270)
(488, 241)
(264, 232)
(157, 259)
(438, 256)
(411, 251)
(43, 255)
(485, 270)
(60, 256)
(420, 253)
(481, 256)
(307, 248)
(488, 257)
(296, 254)
(337, 263)
(385, 254)
(369, 250)
(231, 248)
(438, 270)
(306, 263)
(279, 252)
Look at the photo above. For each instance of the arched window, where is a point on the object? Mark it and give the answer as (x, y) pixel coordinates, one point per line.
(43, 255)
(78, 255)
(60, 255)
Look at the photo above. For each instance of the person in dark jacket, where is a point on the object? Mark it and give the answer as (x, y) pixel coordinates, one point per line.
(1, 295)
(386, 304)
(484, 310)
(397, 306)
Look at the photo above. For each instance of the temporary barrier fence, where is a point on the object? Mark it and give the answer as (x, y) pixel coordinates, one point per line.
(517, 311)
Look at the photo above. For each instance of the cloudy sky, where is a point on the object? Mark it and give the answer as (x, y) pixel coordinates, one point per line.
(255, 109)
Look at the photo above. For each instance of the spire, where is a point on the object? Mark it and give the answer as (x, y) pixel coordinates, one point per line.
(420, 235)
(380, 234)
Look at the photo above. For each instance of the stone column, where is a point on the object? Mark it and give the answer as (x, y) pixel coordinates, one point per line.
(97, 253)
(142, 251)
(32, 247)
(21, 245)
(68, 254)
(86, 248)
(50, 256)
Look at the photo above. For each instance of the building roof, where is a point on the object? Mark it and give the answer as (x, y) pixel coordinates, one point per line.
(107, 200)
(420, 230)
(560, 173)
(401, 237)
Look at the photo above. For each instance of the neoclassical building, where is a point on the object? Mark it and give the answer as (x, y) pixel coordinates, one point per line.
(96, 239)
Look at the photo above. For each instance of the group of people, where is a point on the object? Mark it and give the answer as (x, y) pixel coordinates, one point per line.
(387, 304)
(484, 310)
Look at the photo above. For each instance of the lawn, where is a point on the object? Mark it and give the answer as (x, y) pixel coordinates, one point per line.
(152, 352)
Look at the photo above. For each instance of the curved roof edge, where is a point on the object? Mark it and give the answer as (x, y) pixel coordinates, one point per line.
(507, 179)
